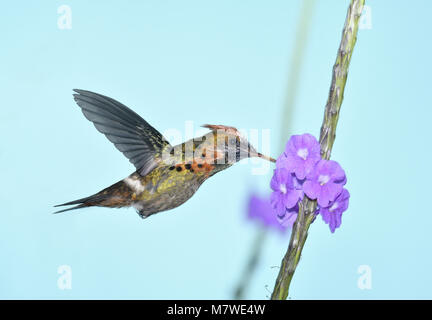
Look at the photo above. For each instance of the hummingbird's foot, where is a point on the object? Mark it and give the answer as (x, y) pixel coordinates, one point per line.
(142, 214)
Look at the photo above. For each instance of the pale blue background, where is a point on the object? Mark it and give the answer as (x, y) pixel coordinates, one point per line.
(209, 62)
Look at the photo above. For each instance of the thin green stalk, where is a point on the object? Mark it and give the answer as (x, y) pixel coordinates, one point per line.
(251, 265)
(327, 136)
(292, 85)
(296, 64)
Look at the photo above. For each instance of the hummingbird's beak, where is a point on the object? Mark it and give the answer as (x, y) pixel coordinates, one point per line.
(260, 155)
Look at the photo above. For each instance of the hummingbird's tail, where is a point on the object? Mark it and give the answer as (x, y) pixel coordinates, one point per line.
(115, 196)
(82, 203)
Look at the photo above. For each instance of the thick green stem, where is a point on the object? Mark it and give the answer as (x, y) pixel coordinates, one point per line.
(327, 136)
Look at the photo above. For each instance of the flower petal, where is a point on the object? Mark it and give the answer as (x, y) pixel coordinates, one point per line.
(277, 203)
(282, 161)
(260, 210)
(274, 184)
(300, 169)
(324, 197)
(311, 189)
(289, 218)
(291, 198)
(329, 193)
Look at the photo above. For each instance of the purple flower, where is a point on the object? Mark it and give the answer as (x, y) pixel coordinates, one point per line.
(301, 154)
(286, 192)
(332, 215)
(288, 218)
(300, 171)
(260, 209)
(325, 182)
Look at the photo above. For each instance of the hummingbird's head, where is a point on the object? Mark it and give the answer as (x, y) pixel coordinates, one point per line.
(233, 144)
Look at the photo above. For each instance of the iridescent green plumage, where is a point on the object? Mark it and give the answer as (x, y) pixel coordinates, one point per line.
(165, 176)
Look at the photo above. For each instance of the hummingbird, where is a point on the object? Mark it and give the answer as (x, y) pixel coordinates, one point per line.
(165, 176)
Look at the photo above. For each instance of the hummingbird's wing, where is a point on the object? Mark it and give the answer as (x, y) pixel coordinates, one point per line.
(132, 135)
